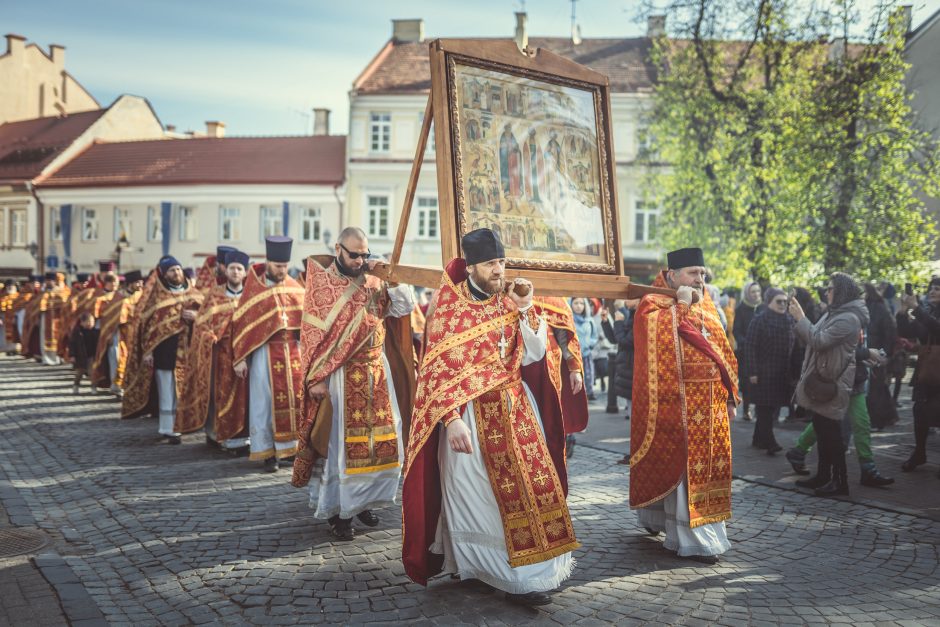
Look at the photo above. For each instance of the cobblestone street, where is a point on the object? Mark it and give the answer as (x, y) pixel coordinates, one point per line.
(146, 533)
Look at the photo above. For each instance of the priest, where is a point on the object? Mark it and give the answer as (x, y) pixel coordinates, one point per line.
(212, 272)
(684, 395)
(213, 398)
(162, 337)
(114, 318)
(485, 485)
(352, 422)
(43, 320)
(266, 350)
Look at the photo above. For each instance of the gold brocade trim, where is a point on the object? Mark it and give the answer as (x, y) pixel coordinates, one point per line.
(269, 289)
(652, 382)
(208, 314)
(324, 324)
(170, 299)
(385, 437)
(544, 556)
(365, 469)
(351, 328)
(707, 520)
(261, 320)
(461, 338)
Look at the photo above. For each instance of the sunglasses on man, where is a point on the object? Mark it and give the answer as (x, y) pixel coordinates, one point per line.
(355, 256)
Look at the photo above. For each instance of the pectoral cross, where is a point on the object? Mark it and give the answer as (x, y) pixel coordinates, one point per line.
(502, 343)
(284, 317)
(705, 333)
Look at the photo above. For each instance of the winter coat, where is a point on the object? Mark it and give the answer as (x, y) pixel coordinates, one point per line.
(620, 333)
(882, 332)
(767, 347)
(587, 333)
(83, 344)
(830, 351)
(925, 328)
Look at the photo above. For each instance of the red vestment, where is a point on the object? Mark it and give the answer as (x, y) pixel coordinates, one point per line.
(682, 382)
(211, 363)
(115, 316)
(270, 314)
(463, 364)
(558, 314)
(159, 317)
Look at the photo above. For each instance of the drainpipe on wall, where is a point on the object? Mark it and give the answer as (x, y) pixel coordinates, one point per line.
(339, 201)
(41, 222)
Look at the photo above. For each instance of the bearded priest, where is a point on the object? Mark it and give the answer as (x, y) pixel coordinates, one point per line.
(684, 395)
(351, 433)
(485, 479)
(265, 329)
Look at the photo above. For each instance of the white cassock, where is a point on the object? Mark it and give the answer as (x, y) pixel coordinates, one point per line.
(49, 358)
(20, 316)
(338, 493)
(113, 350)
(166, 394)
(470, 529)
(671, 515)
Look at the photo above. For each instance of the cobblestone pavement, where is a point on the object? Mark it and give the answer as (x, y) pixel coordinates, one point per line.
(159, 534)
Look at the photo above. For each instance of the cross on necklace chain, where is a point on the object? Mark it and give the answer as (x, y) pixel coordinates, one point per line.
(502, 343)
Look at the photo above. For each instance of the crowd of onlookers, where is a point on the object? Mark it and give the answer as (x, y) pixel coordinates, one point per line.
(835, 360)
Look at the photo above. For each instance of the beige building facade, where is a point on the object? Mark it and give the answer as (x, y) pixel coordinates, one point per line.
(35, 84)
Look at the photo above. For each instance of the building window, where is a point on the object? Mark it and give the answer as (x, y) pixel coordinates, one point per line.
(310, 224)
(429, 147)
(3, 226)
(272, 221)
(230, 224)
(427, 218)
(89, 225)
(646, 218)
(122, 224)
(378, 216)
(188, 230)
(381, 132)
(154, 224)
(55, 224)
(18, 227)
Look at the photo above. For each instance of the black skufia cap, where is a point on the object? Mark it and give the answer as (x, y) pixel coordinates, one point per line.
(685, 257)
(133, 276)
(277, 248)
(481, 245)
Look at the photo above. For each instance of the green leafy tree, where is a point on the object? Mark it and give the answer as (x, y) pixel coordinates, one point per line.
(781, 155)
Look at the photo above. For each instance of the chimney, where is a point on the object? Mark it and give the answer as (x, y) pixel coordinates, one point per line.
(321, 121)
(837, 49)
(15, 44)
(215, 129)
(408, 31)
(905, 10)
(57, 53)
(522, 37)
(655, 26)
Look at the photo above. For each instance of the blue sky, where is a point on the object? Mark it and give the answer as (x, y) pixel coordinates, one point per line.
(261, 65)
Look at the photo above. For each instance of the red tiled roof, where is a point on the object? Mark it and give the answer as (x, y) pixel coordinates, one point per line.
(403, 67)
(28, 146)
(231, 160)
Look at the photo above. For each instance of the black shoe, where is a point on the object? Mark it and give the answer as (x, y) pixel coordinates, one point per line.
(367, 518)
(915, 460)
(837, 487)
(874, 479)
(569, 446)
(774, 448)
(711, 560)
(529, 599)
(816, 481)
(627, 417)
(612, 410)
(341, 528)
(270, 464)
(173, 439)
(592, 397)
(796, 459)
(651, 532)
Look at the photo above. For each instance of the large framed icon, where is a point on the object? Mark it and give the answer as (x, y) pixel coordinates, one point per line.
(523, 143)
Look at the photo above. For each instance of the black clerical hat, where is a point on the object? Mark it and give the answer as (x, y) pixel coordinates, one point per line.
(277, 248)
(81, 277)
(221, 254)
(133, 276)
(106, 265)
(685, 257)
(482, 245)
(50, 276)
(237, 256)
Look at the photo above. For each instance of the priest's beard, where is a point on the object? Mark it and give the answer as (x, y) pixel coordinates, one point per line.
(491, 286)
(271, 278)
(347, 271)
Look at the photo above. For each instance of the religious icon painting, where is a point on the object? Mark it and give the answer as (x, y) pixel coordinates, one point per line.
(524, 148)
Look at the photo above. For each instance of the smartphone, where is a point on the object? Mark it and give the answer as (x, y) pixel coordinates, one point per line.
(909, 289)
